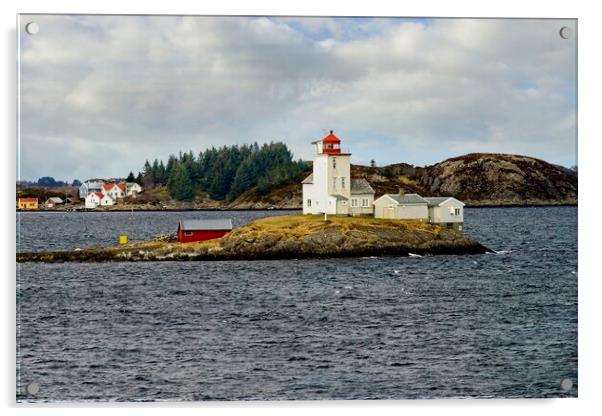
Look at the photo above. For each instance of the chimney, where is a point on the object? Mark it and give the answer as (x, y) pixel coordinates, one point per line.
(401, 192)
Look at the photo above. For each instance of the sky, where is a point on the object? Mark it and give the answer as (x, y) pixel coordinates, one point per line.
(99, 95)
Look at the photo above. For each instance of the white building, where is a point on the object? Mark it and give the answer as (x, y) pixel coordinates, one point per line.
(132, 189)
(106, 200)
(114, 190)
(93, 200)
(91, 185)
(53, 201)
(446, 211)
(330, 189)
(96, 199)
(401, 206)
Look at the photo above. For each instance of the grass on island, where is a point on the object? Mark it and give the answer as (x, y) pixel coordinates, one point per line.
(285, 226)
(298, 226)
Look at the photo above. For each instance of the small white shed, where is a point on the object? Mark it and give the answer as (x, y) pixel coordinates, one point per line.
(401, 206)
(447, 211)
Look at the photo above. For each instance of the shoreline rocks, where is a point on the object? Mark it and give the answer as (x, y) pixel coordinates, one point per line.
(287, 237)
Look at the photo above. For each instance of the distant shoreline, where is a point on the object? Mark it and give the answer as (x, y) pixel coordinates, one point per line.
(274, 209)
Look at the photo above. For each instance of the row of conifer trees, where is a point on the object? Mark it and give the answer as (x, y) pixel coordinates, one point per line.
(223, 173)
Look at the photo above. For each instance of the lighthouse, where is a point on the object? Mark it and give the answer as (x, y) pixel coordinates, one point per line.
(330, 188)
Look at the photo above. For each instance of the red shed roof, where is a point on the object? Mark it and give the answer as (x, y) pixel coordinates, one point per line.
(28, 199)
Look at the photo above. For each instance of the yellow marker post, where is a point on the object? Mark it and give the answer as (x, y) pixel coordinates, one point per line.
(123, 239)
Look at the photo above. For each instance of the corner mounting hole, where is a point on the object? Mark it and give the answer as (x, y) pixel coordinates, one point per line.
(32, 28)
(33, 388)
(566, 384)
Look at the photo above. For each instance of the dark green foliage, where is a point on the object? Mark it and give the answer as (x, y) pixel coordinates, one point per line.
(50, 182)
(229, 171)
(130, 177)
(180, 186)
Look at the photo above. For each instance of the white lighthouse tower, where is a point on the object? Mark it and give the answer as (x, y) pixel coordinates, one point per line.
(330, 189)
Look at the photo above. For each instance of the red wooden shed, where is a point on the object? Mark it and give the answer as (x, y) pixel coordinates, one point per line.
(200, 230)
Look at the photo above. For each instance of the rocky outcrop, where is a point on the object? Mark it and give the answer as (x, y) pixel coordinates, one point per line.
(286, 237)
(499, 179)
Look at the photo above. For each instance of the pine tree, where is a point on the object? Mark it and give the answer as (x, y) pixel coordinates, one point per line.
(179, 186)
(130, 177)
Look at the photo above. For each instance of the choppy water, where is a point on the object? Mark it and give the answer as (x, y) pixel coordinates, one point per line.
(500, 325)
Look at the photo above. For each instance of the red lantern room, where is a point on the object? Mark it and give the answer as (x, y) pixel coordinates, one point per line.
(331, 144)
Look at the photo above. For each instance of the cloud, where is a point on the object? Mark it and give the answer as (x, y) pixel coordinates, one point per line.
(100, 94)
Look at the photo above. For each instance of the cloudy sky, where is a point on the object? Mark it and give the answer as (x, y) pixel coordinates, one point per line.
(101, 94)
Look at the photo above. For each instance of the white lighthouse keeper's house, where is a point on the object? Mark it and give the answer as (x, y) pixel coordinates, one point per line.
(330, 189)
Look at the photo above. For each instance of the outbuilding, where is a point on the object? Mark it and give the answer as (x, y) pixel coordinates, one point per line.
(200, 230)
(401, 206)
(27, 203)
(53, 201)
(447, 211)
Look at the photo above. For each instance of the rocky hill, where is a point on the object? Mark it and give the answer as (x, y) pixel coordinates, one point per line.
(500, 179)
(478, 179)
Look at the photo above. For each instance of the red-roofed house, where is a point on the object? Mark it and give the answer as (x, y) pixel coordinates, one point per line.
(114, 190)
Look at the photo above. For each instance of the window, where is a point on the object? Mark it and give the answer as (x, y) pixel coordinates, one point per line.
(343, 182)
(334, 183)
(309, 202)
(364, 202)
(188, 233)
(457, 211)
(354, 202)
(334, 162)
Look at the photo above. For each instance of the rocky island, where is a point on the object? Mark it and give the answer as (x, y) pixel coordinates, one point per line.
(288, 237)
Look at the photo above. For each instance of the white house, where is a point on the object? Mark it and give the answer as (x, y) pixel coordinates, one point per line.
(53, 201)
(330, 189)
(93, 200)
(114, 190)
(402, 206)
(447, 211)
(132, 189)
(106, 200)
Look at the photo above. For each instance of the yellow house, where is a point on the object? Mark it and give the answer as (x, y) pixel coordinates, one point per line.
(27, 203)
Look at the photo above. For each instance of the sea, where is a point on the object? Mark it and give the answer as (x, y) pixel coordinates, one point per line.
(500, 325)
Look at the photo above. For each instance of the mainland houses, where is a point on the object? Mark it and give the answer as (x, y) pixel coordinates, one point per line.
(98, 192)
(331, 190)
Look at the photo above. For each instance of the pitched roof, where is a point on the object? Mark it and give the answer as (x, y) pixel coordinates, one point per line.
(218, 224)
(55, 200)
(309, 179)
(331, 138)
(121, 186)
(98, 194)
(28, 199)
(107, 186)
(407, 199)
(435, 201)
(361, 186)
